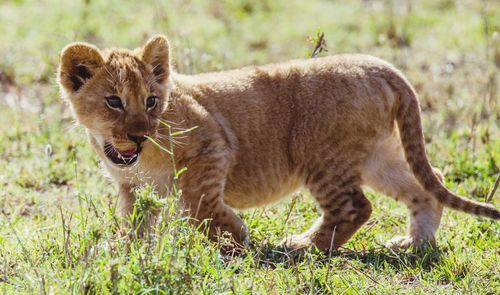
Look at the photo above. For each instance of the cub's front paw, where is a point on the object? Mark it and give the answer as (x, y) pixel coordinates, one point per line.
(230, 234)
(229, 246)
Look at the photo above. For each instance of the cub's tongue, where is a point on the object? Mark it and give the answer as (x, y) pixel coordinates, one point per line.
(128, 153)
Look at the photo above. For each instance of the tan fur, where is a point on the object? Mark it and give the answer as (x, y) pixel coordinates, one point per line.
(330, 124)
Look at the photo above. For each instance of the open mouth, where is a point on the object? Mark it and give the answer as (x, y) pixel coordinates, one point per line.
(121, 158)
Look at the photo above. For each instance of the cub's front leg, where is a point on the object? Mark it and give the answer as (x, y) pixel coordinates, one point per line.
(126, 199)
(124, 208)
(202, 187)
(124, 211)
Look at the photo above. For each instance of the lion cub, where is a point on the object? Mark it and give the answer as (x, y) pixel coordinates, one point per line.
(330, 124)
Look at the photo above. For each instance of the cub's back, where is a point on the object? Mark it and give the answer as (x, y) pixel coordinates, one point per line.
(281, 115)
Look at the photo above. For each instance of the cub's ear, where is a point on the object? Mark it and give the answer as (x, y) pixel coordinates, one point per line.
(156, 53)
(79, 62)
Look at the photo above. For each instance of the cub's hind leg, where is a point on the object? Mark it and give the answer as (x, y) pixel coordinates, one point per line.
(344, 209)
(387, 171)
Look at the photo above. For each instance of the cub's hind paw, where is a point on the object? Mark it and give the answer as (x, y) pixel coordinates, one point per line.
(400, 242)
(296, 243)
(405, 242)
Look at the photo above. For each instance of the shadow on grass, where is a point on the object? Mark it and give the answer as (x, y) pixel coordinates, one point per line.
(423, 259)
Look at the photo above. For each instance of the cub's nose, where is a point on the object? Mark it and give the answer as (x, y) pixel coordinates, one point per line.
(136, 138)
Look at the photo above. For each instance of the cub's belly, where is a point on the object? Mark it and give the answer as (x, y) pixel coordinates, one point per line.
(247, 195)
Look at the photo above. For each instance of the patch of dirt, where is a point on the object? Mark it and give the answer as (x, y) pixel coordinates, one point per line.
(17, 97)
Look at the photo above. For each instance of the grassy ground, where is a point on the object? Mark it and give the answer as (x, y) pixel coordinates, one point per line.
(56, 207)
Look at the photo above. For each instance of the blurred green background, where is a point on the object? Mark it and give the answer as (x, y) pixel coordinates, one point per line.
(56, 205)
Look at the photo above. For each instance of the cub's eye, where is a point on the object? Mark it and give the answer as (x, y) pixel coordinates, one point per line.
(151, 102)
(114, 102)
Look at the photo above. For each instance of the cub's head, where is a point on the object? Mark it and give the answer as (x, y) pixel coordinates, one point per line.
(118, 95)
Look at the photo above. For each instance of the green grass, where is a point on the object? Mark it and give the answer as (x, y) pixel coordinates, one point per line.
(57, 230)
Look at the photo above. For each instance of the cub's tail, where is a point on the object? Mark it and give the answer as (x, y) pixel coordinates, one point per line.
(412, 138)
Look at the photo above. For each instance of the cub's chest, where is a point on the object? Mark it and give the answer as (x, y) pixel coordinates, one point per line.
(153, 168)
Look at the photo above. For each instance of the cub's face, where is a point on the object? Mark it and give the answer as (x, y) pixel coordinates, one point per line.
(117, 95)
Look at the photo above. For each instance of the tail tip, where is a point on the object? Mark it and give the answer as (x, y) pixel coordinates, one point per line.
(492, 213)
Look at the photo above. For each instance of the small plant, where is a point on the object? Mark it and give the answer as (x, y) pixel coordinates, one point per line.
(319, 43)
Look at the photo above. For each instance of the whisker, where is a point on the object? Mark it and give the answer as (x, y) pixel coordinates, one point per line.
(169, 139)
